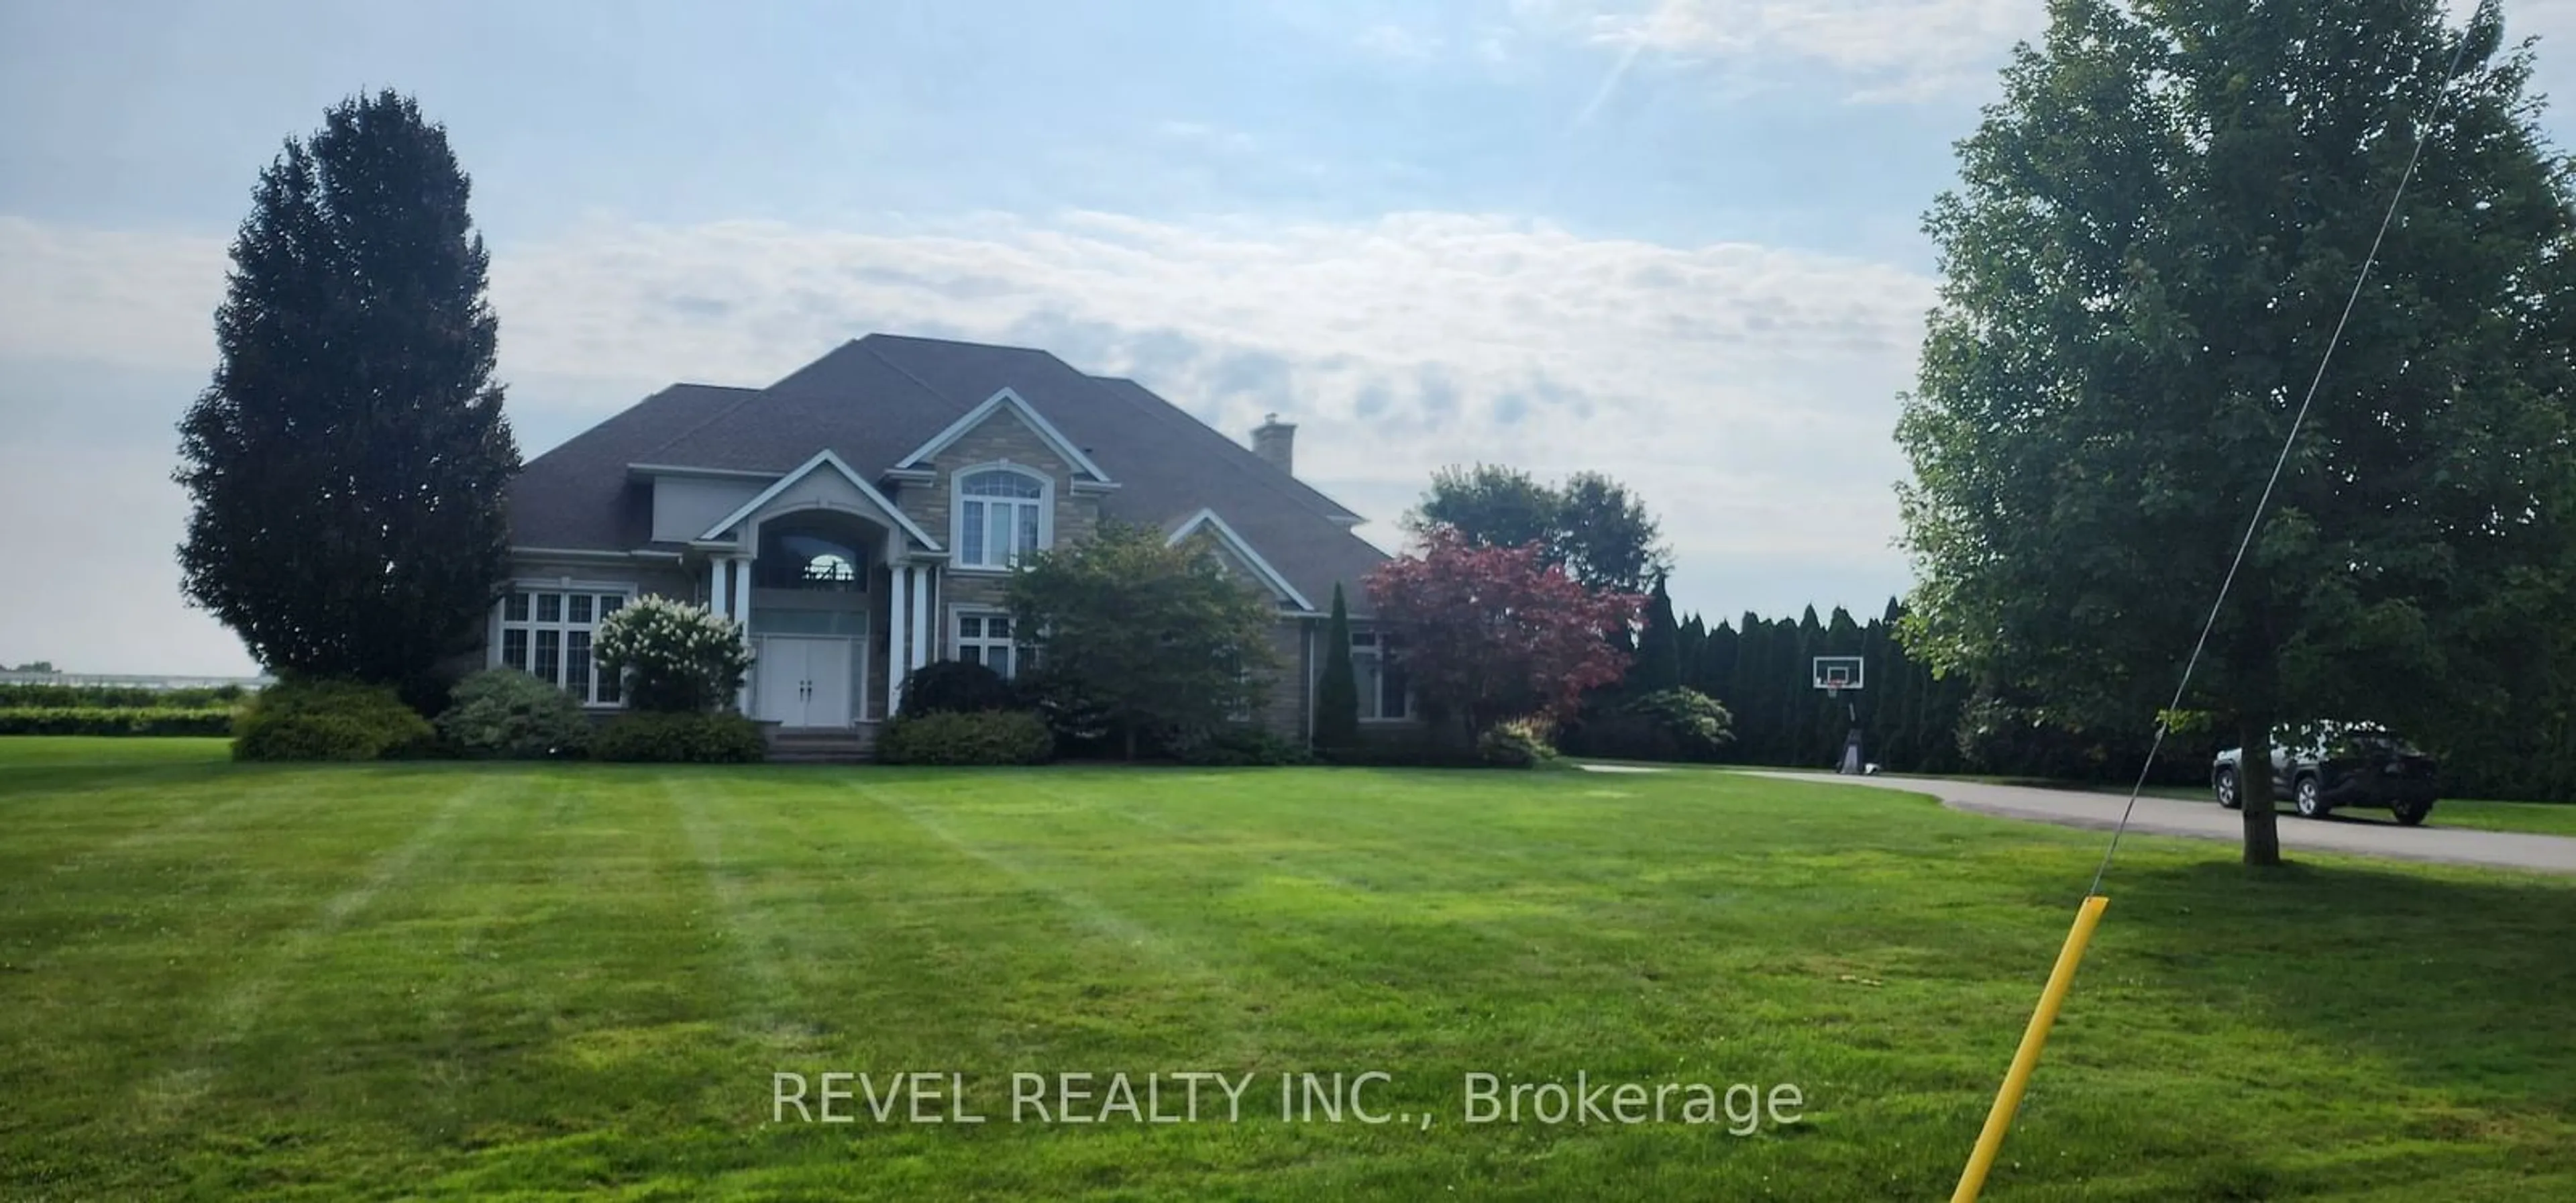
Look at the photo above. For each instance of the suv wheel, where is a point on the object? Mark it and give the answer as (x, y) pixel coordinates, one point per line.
(2411, 813)
(2226, 787)
(2310, 796)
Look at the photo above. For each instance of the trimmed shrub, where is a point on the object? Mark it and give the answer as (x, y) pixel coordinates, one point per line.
(508, 714)
(1080, 720)
(1694, 724)
(1667, 724)
(955, 687)
(1237, 745)
(328, 720)
(1519, 743)
(660, 738)
(980, 737)
(116, 720)
(675, 658)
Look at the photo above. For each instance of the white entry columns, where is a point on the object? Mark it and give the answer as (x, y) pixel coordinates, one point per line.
(908, 633)
(729, 596)
(898, 608)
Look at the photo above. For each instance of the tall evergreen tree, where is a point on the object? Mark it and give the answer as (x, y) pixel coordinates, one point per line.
(1693, 649)
(1658, 661)
(349, 461)
(1716, 676)
(2155, 236)
(1337, 696)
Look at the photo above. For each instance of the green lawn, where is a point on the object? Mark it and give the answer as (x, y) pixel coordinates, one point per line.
(442, 980)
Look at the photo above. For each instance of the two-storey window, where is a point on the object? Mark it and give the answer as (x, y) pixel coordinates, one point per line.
(1002, 515)
(547, 633)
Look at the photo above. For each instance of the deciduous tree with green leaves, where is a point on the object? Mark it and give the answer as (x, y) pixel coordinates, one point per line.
(2153, 238)
(1592, 526)
(349, 462)
(1158, 634)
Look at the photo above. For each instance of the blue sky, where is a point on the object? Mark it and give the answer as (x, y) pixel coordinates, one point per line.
(1675, 240)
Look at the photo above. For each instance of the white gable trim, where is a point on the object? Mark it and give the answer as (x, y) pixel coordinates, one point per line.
(1225, 534)
(811, 466)
(1055, 439)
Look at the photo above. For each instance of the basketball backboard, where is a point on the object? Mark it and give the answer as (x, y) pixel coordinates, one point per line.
(1835, 674)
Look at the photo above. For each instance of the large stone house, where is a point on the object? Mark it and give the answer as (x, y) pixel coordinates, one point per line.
(861, 518)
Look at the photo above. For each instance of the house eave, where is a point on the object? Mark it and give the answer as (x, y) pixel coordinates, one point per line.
(588, 554)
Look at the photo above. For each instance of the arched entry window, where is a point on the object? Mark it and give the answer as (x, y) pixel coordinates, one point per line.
(801, 557)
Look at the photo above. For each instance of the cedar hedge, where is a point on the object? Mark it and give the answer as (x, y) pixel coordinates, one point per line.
(119, 697)
(116, 720)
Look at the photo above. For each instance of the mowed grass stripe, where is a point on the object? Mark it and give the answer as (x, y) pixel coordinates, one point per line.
(557, 997)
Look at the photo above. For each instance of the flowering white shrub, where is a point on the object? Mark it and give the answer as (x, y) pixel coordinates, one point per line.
(674, 657)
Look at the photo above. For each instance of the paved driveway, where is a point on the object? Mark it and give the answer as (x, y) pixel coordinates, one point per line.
(2204, 820)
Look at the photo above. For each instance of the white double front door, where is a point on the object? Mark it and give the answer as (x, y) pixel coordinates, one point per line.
(804, 681)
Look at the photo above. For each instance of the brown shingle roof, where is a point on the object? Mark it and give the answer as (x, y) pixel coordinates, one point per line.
(875, 400)
(578, 495)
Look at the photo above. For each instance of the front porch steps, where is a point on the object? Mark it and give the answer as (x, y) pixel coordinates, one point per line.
(809, 745)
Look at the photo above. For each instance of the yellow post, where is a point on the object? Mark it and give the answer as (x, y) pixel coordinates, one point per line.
(1972, 1180)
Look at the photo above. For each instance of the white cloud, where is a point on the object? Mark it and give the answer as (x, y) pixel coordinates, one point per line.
(1886, 49)
(1746, 391)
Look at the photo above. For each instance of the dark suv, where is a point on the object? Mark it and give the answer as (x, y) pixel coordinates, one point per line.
(2328, 766)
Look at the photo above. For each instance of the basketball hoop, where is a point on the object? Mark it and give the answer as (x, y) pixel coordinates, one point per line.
(1834, 675)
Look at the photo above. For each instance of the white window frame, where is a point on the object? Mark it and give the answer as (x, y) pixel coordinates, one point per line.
(1044, 501)
(563, 628)
(1368, 662)
(958, 641)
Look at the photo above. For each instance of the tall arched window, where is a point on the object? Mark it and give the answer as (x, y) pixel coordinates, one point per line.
(1002, 514)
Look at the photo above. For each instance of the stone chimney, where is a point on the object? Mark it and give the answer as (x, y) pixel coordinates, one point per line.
(1276, 441)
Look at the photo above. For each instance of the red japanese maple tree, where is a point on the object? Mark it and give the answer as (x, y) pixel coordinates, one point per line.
(1494, 633)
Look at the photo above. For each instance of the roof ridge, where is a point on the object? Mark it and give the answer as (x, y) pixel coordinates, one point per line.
(905, 372)
(960, 342)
